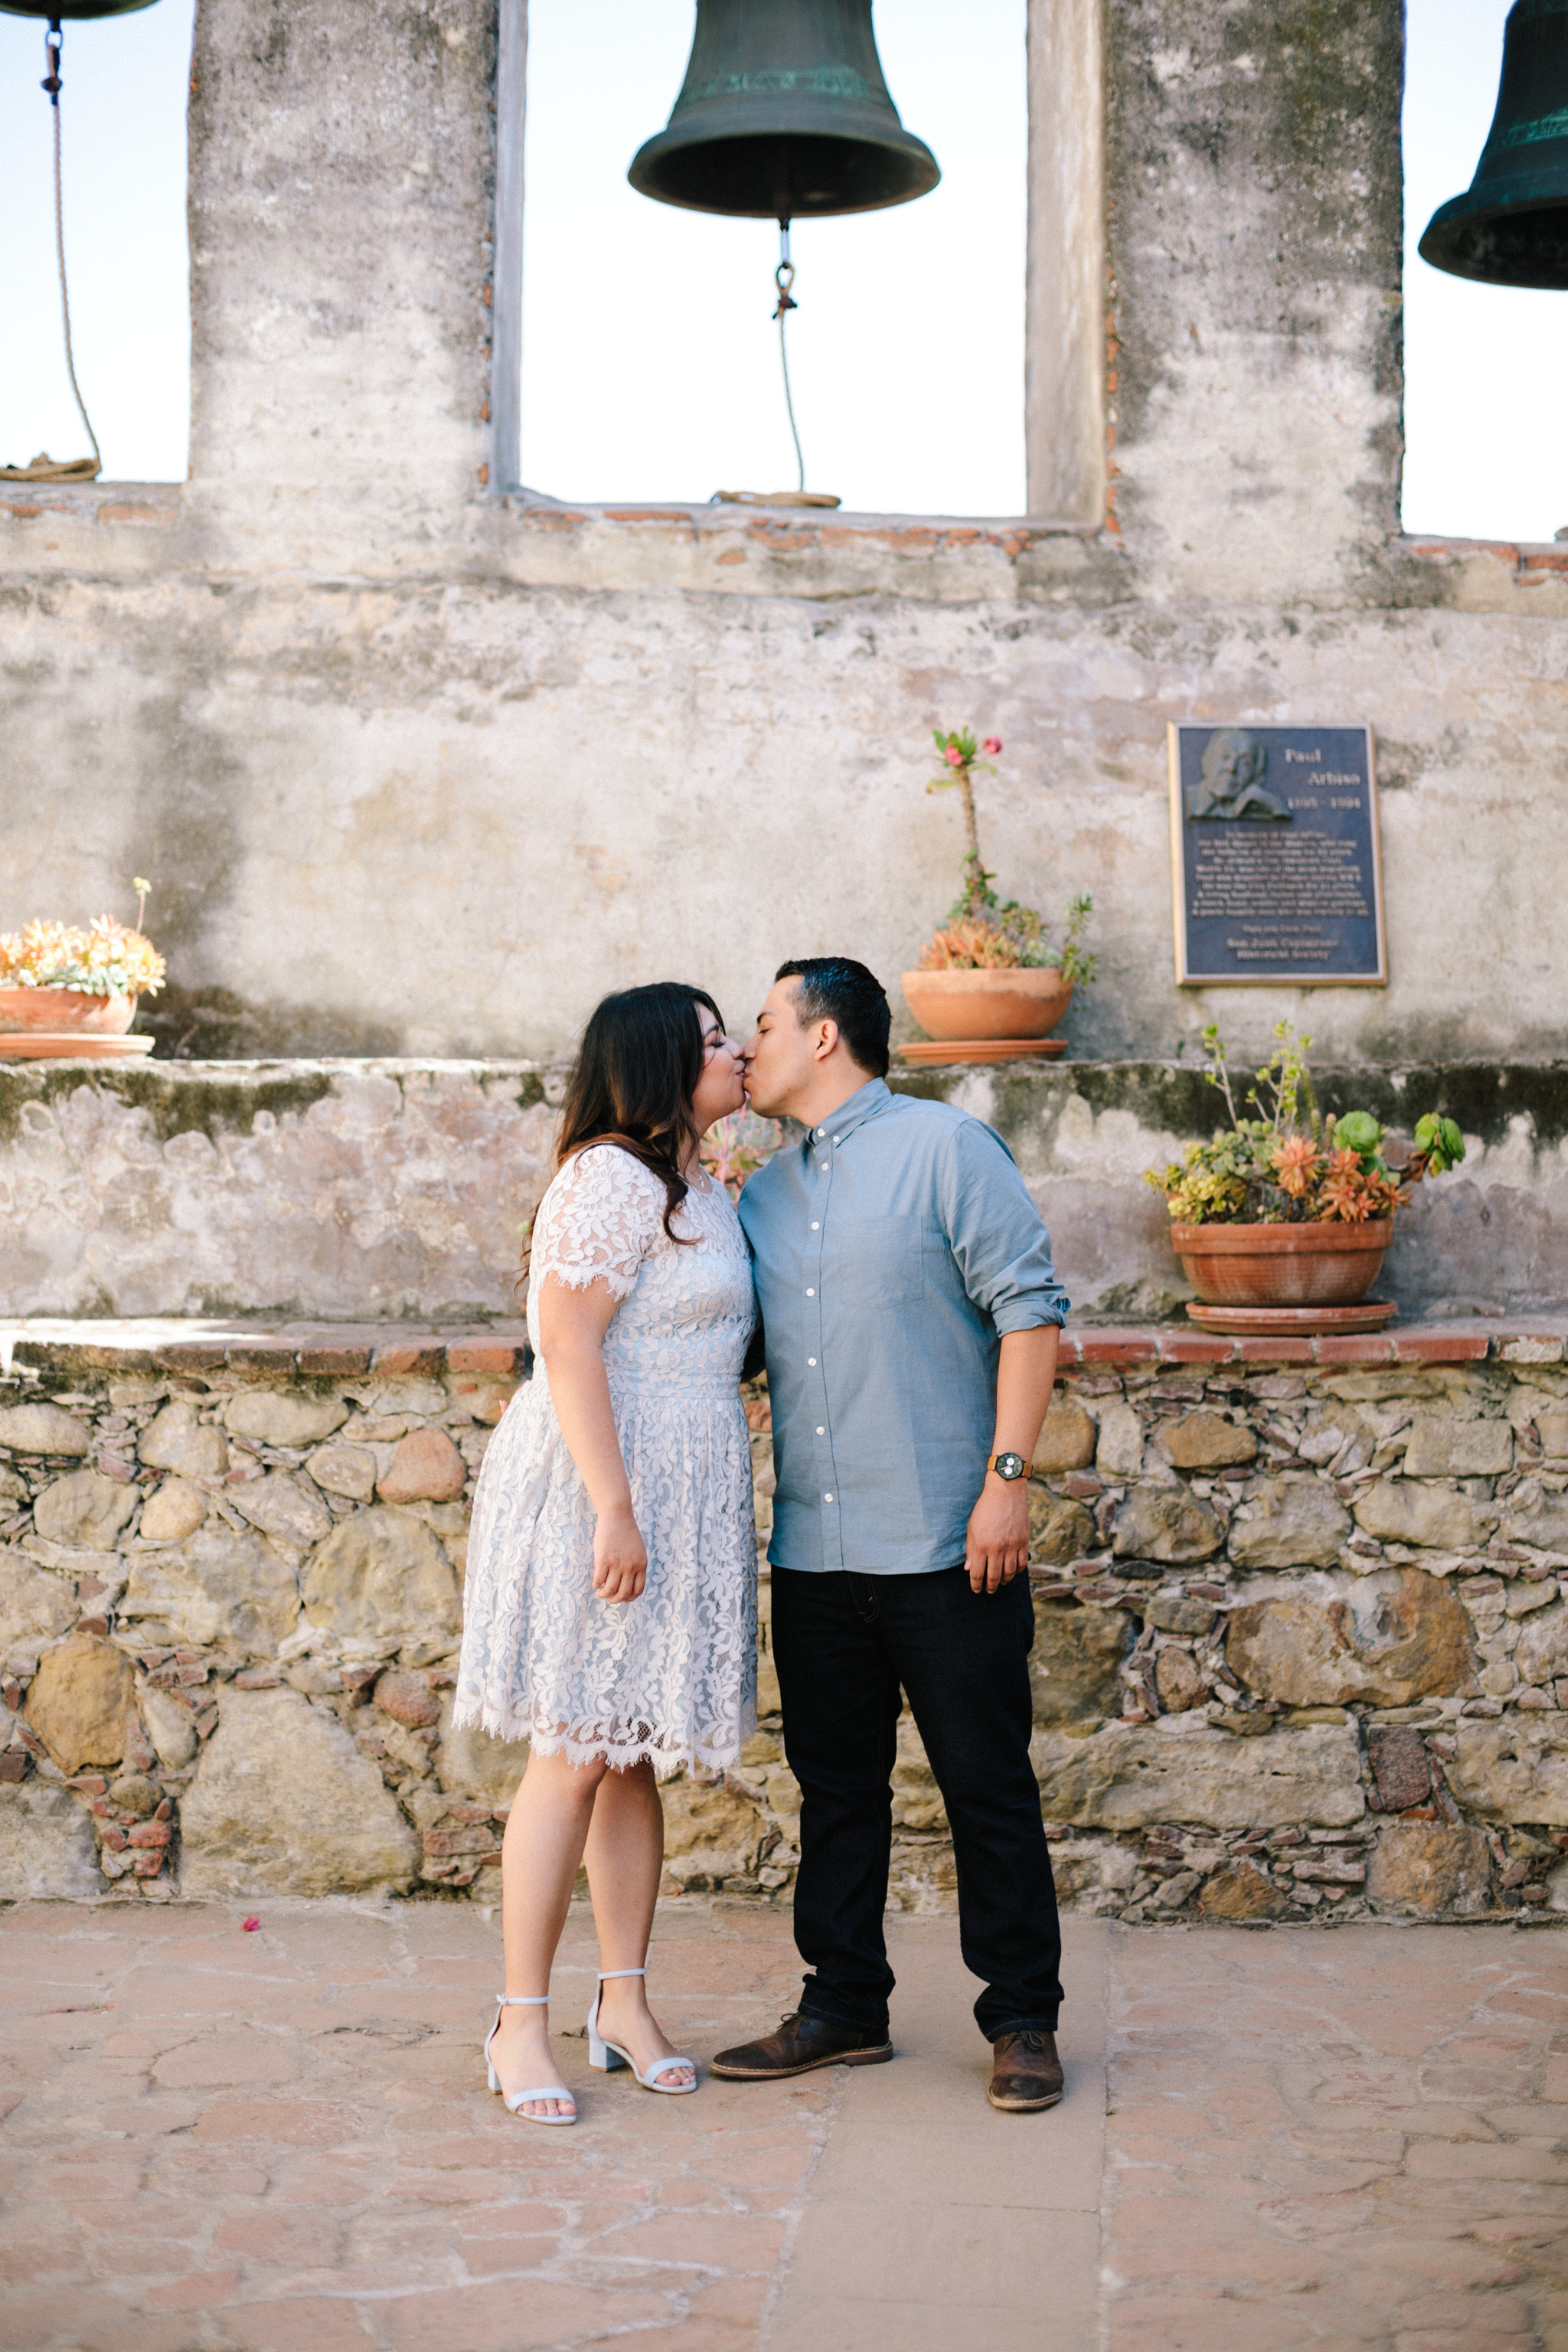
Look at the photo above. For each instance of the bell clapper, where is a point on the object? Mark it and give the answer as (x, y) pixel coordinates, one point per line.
(783, 278)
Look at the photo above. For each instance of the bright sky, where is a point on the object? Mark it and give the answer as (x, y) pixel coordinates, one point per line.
(652, 364)
(1486, 456)
(123, 138)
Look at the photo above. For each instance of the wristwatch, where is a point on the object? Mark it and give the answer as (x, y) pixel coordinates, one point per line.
(1006, 1465)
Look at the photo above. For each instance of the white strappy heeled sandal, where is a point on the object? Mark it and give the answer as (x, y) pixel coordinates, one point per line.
(519, 2099)
(609, 2055)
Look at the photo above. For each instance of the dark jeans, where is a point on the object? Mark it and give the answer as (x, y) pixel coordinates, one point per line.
(843, 1643)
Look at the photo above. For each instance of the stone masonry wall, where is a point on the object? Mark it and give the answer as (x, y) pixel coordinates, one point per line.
(1302, 1643)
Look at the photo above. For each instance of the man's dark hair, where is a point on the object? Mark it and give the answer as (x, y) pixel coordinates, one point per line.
(836, 988)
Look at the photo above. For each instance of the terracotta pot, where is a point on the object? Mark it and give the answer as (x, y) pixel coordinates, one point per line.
(1282, 1266)
(61, 1010)
(1018, 1002)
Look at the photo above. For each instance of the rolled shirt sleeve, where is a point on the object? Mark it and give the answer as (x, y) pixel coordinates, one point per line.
(998, 1240)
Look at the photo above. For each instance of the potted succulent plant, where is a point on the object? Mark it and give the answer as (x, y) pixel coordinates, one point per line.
(60, 984)
(992, 974)
(1281, 1221)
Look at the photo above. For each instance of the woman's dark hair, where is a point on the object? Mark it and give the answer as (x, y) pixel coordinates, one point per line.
(637, 1071)
(836, 988)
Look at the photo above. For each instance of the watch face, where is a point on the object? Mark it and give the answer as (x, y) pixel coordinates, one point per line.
(1010, 1465)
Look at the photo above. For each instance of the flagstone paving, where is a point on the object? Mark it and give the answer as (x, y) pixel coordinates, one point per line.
(1351, 2138)
(279, 2141)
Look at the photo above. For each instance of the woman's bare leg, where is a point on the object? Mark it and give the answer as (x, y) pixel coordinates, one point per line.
(545, 1833)
(625, 1853)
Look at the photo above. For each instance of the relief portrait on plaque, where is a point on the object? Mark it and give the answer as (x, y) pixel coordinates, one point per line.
(1230, 785)
(1275, 857)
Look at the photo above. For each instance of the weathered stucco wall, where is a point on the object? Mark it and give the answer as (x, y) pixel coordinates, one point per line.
(1301, 1644)
(349, 1190)
(381, 1191)
(420, 770)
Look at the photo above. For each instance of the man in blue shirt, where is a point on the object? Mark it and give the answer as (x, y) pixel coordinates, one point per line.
(910, 1310)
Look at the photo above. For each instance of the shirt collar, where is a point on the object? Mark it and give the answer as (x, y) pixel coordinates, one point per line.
(864, 1104)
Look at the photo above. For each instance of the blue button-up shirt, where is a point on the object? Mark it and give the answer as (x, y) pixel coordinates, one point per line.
(892, 1249)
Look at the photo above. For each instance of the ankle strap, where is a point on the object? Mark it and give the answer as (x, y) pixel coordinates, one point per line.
(522, 2000)
(605, 1974)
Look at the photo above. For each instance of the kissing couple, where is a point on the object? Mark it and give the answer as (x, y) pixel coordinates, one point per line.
(893, 1273)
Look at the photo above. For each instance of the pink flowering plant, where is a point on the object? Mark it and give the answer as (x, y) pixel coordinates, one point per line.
(984, 933)
(106, 958)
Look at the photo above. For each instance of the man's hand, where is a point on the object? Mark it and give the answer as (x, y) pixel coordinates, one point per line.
(996, 1545)
(620, 1556)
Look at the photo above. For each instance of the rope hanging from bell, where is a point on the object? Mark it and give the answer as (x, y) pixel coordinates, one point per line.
(783, 278)
(44, 468)
(54, 41)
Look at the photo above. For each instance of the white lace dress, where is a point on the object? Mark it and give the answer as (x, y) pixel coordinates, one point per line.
(671, 1676)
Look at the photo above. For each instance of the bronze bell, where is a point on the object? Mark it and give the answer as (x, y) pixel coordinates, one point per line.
(783, 114)
(1510, 227)
(72, 12)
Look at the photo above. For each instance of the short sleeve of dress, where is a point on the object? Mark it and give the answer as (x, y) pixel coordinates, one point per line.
(597, 1223)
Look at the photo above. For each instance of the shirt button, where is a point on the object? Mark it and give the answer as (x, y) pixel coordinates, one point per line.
(811, 1294)
(823, 1165)
(821, 1433)
(815, 1225)
(828, 1498)
(811, 1359)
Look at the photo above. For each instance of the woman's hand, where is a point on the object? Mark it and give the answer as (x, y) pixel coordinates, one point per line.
(620, 1556)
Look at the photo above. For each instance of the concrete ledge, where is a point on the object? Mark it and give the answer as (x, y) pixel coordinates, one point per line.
(1483, 575)
(179, 1343)
(174, 1344)
(1526, 1341)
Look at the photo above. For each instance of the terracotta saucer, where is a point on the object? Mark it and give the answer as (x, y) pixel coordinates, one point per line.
(1291, 1322)
(984, 1049)
(66, 1045)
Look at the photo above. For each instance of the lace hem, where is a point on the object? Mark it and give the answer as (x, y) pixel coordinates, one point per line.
(620, 1747)
(583, 1278)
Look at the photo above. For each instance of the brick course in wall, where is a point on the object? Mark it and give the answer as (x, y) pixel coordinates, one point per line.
(1302, 1643)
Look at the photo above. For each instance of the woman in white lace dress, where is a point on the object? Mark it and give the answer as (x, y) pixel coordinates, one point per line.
(610, 1604)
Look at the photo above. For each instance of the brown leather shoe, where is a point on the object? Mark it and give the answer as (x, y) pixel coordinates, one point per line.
(800, 2043)
(1025, 2073)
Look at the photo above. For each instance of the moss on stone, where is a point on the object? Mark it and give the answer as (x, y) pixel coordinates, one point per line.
(209, 1098)
(1175, 1098)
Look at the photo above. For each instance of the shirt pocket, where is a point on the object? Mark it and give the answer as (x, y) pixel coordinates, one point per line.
(874, 1262)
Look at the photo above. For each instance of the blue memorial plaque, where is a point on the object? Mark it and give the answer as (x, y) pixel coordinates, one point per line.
(1275, 856)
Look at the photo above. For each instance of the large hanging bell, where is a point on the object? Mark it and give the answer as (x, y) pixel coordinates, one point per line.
(1510, 227)
(783, 114)
(71, 12)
